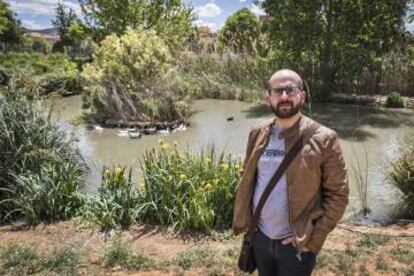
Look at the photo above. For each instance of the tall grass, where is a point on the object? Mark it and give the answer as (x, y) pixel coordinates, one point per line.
(42, 74)
(187, 190)
(41, 169)
(116, 204)
(401, 174)
(360, 175)
(210, 76)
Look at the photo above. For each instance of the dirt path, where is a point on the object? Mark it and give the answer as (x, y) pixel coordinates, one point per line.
(349, 250)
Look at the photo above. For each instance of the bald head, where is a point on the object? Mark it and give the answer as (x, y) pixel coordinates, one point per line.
(286, 75)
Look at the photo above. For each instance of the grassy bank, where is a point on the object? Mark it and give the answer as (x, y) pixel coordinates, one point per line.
(38, 74)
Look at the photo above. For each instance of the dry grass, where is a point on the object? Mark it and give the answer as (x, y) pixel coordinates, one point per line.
(362, 251)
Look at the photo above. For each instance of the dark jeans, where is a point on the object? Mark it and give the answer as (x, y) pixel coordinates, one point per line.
(275, 259)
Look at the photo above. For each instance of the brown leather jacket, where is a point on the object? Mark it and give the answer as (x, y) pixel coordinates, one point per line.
(317, 181)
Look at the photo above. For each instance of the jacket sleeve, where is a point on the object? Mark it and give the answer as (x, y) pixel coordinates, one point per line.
(334, 193)
(239, 223)
(249, 148)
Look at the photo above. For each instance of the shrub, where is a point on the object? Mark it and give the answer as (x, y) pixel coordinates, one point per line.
(21, 260)
(42, 74)
(120, 254)
(394, 100)
(116, 203)
(239, 77)
(15, 255)
(127, 78)
(188, 191)
(41, 169)
(63, 260)
(401, 174)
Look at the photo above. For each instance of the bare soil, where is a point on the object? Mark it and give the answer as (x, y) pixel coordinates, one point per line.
(349, 250)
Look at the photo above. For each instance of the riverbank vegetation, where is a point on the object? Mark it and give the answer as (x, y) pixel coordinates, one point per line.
(41, 168)
(189, 191)
(185, 191)
(233, 63)
(401, 174)
(128, 80)
(37, 74)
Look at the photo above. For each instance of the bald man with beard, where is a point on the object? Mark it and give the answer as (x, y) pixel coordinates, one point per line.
(311, 196)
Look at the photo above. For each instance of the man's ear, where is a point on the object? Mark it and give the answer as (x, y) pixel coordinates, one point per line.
(266, 97)
(303, 95)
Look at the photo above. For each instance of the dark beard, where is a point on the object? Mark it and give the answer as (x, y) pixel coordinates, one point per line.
(294, 109)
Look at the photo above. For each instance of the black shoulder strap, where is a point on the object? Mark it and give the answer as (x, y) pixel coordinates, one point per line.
(273, 182)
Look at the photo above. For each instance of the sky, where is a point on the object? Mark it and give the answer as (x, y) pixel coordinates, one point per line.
(37, 14)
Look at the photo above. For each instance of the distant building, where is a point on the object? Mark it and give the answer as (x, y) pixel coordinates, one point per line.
(206, 32)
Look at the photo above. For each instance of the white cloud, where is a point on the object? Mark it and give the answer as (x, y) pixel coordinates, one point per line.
(409, 26)
(208, 10)
(256, 10)
(40, 7)
(33, 25)
(200, 23)
(242, 1)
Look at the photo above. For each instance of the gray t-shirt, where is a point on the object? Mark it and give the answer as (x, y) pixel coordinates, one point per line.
(274, 218)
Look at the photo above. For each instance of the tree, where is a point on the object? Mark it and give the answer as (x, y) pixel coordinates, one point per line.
(333, 41)
(241, 32)
(171, 19)
(119, 81)
(10, 27)
(63, 22)
(77, 33)
(4, 20)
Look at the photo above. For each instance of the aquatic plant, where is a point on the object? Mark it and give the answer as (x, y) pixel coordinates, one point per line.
(116, 203)
(360, 175)
(41, 169)
(188, 190)
(401, 174)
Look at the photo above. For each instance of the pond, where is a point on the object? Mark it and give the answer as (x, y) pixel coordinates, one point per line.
(369, 137)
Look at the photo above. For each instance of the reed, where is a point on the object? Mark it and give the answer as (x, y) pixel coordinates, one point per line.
(41, 169)
(188, 190)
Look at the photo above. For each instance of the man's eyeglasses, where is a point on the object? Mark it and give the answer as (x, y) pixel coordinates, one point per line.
(291, 91)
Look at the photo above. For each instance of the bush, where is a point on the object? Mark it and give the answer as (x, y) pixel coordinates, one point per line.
(120, 254)
(41, 169)
(21, 260)
(394, 100)
(15, 255)
(127, 79)
(188, 191)
(240, 77)
(41, 74)
(63, 261)
(401, 174)
(116, 204)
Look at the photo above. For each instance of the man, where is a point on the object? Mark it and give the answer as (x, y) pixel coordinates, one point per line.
(311, 196)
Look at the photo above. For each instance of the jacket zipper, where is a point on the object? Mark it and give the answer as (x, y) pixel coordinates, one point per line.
(297, 246)
(299, 251)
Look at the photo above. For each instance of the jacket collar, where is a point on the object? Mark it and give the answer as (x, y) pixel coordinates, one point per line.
(288, 132)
